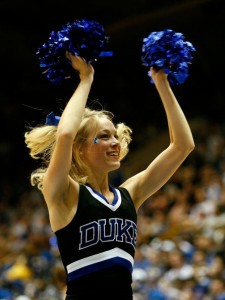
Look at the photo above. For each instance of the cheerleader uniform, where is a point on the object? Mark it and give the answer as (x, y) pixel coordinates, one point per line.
(97, 247)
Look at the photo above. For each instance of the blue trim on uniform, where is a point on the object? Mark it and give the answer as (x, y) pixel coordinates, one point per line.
(112, 189)
(115, 194)
(116, 203)
(99, 266)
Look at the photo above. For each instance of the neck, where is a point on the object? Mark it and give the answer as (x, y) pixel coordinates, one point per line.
(101, 186)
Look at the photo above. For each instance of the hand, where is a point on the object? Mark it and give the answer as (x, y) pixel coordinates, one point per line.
(158, 75)
(84, 69)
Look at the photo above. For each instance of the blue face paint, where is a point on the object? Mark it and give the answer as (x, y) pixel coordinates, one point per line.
(95, 140)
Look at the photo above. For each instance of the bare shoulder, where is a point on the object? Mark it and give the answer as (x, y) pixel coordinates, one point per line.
(62, 211)
(131, 185)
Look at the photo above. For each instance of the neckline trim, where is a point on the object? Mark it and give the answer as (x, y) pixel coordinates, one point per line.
(101, 198)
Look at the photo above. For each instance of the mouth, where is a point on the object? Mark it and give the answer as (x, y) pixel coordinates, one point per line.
(113, 154)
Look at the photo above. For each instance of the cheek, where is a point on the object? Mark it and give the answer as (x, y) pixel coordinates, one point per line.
(96, 152)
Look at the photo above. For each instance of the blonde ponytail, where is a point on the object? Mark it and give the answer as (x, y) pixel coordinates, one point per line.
(41, 143)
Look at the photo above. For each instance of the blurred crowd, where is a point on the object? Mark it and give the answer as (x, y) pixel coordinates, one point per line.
(181, 235)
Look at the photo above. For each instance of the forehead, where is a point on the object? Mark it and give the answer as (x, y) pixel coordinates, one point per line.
(104, 124)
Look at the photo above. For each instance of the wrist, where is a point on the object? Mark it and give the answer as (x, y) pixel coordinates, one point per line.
(88, 78)
(160, 82)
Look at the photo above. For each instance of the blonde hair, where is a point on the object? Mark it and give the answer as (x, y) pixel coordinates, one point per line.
(41, 142)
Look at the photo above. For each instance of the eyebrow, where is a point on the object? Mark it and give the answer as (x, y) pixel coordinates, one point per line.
(106, 131)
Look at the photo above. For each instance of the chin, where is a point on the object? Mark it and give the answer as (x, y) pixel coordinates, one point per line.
(115, 166)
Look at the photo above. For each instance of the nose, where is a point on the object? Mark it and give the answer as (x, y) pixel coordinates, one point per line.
(114, 141)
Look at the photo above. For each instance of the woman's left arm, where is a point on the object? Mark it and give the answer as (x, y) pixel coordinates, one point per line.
(159, 171)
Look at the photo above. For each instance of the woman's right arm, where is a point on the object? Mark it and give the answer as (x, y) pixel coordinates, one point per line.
(56, 181)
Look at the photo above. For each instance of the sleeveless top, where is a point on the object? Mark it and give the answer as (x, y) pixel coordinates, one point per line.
(97, 247)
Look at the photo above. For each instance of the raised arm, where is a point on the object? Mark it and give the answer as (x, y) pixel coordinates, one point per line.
(56, 180)
(144, 184)
(180, 133)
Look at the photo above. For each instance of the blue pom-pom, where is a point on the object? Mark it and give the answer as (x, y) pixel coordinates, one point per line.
(85, 38)
(169, 50)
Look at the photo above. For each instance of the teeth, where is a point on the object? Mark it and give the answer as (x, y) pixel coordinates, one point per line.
(114, 154)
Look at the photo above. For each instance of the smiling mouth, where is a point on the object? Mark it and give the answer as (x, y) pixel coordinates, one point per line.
(114, 154)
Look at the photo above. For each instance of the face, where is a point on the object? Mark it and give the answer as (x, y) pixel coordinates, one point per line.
(102, 150)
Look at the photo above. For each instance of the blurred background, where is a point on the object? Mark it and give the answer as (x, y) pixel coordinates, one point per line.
(122, 86)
